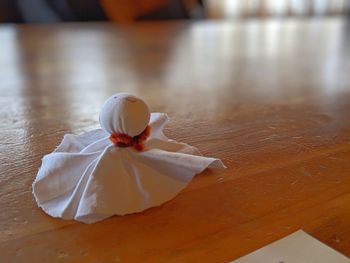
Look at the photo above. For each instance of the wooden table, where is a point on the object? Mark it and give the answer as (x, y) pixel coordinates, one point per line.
(270, 98)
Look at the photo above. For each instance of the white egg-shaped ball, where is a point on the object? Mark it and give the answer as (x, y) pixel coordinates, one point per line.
(124, 113)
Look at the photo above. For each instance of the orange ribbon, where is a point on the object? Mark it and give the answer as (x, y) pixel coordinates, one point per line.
(124, 140)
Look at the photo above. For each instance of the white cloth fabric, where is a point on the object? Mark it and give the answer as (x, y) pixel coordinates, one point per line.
(87, 178)
(124, 113)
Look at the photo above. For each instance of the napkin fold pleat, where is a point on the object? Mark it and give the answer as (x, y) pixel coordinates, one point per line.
(53, 181)
(76, 143)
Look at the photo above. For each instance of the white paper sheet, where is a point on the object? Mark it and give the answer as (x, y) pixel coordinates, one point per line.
(298, 247)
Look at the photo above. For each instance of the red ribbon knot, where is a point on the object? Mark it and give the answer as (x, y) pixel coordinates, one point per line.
(124, 140)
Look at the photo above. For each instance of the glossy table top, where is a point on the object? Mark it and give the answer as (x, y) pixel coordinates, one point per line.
(270, 98)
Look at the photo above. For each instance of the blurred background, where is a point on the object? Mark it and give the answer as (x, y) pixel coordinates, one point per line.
(125, 11)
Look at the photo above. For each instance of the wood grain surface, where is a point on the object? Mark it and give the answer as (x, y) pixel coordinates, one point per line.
(270, 98)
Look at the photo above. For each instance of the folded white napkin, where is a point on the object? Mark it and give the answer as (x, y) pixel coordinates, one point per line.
(88, 178)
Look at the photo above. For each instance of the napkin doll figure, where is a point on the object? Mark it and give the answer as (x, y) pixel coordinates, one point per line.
(126, 167)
